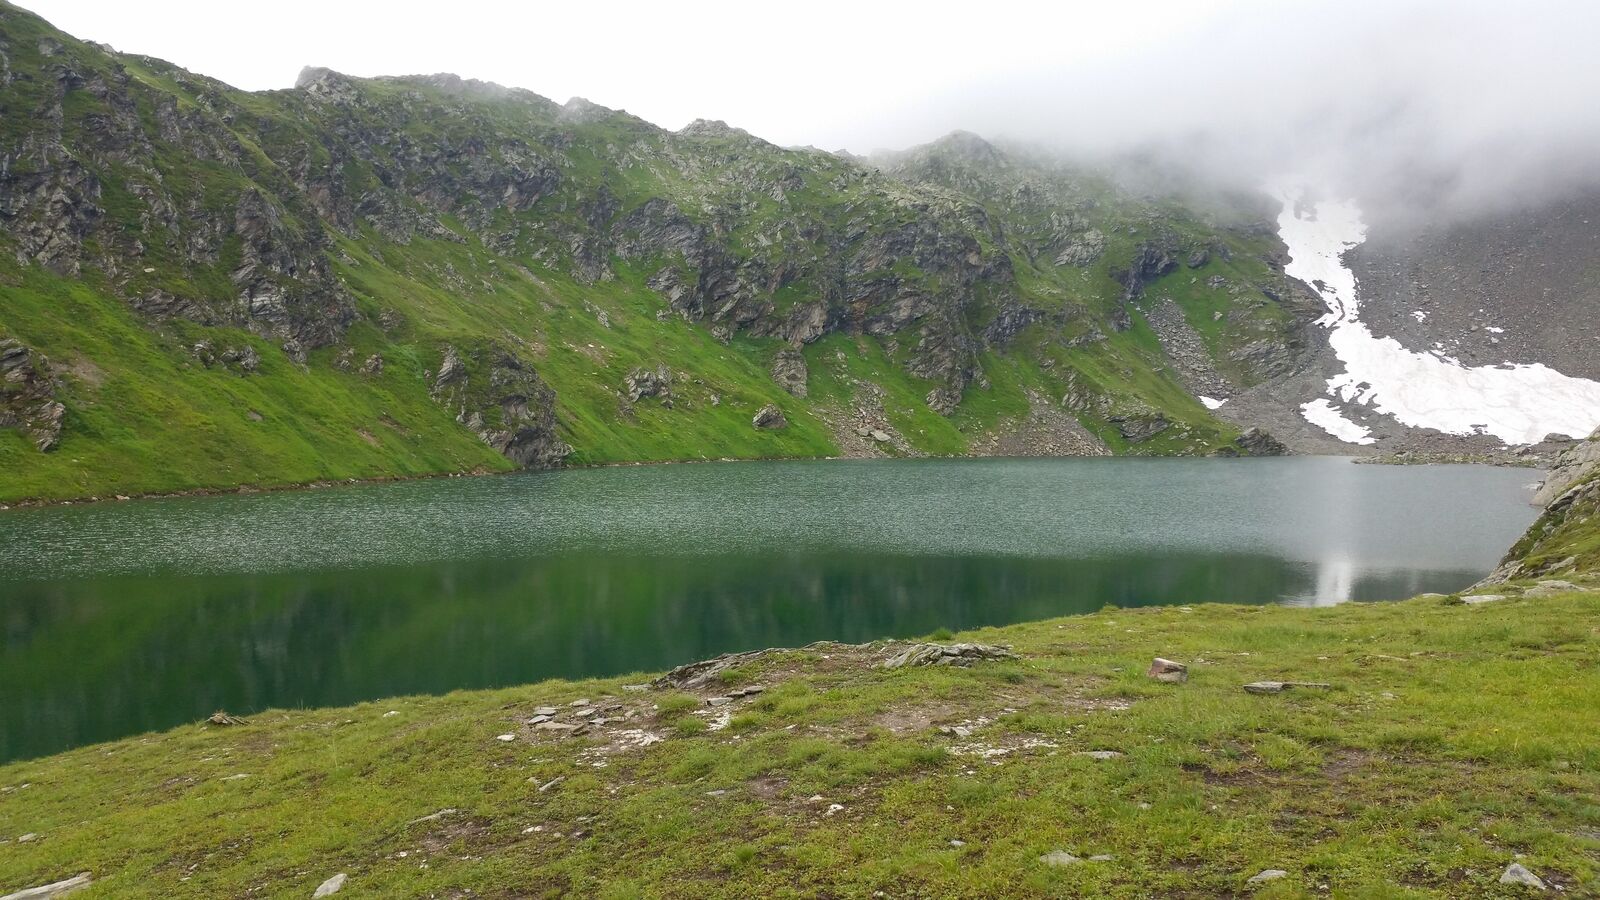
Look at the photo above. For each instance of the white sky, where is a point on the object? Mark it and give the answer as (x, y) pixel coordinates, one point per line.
(830, 73)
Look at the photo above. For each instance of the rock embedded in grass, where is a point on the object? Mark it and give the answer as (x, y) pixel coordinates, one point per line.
(54, 889)
(947, 655)
(1168, 671)
(331, 886)
(1266, 875)
(1517, 873)
(1278, 687)
(1059, 858)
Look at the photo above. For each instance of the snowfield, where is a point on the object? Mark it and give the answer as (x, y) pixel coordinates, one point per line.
(1517, 403)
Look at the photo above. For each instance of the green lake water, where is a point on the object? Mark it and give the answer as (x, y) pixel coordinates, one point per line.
(126, 617)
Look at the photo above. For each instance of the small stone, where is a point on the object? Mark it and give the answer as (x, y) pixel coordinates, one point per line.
(1098, 754)
(237, 777)
(1101, 857)
(1516, 873)
(392, 712)
(577, 703)
(719, 701)
(636, 688)
(505, 737)
(552, 783)
(331, 886)
(1059, 858)
(880, 436)
(1168, 671)
(1482, 598)
(1278, 687)
(537, 720)
(833, 808)
(1266, 875)
(716, 793)
(28, 838)
(957, 843)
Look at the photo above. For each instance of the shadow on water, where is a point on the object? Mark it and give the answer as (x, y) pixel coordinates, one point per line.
(94, 660)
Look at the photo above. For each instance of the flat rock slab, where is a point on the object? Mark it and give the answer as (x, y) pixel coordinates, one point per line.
(1099, 754)
(1059, 858)
(1278, 687)
(947, 655)
(1482, 598)
(1266, 875)
(54, 889)
(331, 886)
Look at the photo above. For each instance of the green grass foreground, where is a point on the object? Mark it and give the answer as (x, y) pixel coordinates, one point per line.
(1455, 740)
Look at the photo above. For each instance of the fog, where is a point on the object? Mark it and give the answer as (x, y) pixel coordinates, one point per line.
(1444, 105)
(1449, 107)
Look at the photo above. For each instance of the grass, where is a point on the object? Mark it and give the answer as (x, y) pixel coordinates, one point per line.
(1455, 739)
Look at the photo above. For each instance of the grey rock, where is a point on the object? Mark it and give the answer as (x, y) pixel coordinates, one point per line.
(1101, 755)
(54, 889)
(1059, 858)
(1266, 875)
(947, 655)
(789, 371)
(1517, 873)
(1475, 599)
(881, 437)
(769, 416)
(1168, 671)
(331, 886)
(1278, 687)
(642, 382)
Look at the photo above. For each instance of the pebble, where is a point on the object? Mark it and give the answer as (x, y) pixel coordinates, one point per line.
(505, 737)
(957, 843)
(1267, 875)
(331, 886)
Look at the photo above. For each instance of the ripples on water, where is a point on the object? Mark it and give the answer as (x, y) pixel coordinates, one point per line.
(125, 617)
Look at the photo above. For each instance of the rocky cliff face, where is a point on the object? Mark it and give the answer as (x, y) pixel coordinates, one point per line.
(422, 218)
(1566, 538)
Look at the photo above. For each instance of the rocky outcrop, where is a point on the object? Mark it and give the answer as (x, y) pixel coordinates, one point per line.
(28, 395)
(642, 382)
(1254, 442)
(789, 371)
(1562, 540)
(502, 400)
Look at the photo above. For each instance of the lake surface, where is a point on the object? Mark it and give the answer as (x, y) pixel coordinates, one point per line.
(121, 618)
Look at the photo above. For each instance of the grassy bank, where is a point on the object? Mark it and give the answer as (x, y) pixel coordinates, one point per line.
(1454, 740)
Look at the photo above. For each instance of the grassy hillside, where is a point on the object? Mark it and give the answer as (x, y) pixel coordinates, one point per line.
(1450, 744)
(219, 288)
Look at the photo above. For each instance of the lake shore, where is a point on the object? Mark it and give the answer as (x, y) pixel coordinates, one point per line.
(1441, 752)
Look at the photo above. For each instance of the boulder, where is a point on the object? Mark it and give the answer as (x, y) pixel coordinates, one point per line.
(641, 383)
(769, 416)
(1168, 671)
(331, 886)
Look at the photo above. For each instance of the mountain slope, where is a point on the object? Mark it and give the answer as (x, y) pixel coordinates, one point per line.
(400, 276)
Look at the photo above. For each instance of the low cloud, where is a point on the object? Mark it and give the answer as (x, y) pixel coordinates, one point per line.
(1439, 107)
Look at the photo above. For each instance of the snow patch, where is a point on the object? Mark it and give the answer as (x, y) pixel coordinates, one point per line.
(1321, 413)
(1517, 403)
(1211, 402)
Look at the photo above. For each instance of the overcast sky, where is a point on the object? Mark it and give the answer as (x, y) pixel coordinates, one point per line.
(1473, 98)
